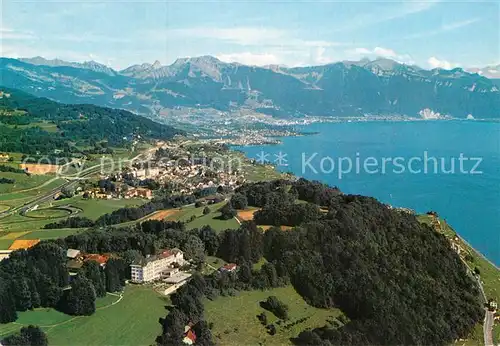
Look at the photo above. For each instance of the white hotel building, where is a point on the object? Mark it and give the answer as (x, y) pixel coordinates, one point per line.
(152, 267)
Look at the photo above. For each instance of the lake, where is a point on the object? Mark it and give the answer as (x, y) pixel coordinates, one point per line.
(452, 167)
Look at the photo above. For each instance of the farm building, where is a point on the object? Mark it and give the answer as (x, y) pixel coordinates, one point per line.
(230, 267)
(4, 254)
(72, 253)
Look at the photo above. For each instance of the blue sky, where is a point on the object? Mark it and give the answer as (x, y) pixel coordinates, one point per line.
(121, 33)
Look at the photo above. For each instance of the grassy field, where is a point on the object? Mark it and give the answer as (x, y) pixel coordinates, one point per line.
(19, 223)
(36, 220)
(132, 321)
(18, 197)
(5, 243)
(212, 264)
(50, 213)
(211, 219)
(44, 125)
(93, 208)
(255, 172)
(235, 322)
(22, 181)
(50, 233)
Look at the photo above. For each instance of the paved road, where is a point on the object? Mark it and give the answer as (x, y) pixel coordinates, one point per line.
(75, 177)
(489, 317)
(489, 321)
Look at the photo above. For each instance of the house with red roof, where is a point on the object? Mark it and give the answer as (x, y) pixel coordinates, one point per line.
(230, 267)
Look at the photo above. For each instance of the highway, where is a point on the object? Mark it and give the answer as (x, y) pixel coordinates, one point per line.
(50, 195)
(72, 180)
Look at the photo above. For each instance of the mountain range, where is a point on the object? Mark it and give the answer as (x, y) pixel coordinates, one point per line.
(348, 88)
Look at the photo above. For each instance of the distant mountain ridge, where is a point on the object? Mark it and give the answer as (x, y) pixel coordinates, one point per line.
(91, 65)
(492, 72)
(349, 88)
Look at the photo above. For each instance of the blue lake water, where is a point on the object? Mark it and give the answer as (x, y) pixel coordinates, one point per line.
(469, 202)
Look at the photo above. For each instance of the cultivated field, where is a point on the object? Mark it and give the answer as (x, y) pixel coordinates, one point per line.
(247, 214)
(35, 168)
(235, 318)
(19, 244)
(163, 214)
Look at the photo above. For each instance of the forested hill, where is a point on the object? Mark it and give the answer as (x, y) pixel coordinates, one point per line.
(31, 124)
(397, 280)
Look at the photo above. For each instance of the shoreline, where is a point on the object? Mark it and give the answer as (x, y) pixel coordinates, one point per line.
(479, 253)
(275, 167)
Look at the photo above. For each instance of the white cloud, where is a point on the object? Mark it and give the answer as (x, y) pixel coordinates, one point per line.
(245, 36)
(318, 56)
(11, 34)
(261, 45)
(407, 8)
(248, 58)
(378, 51)
(460, 24)
(87, 37)
(384, 52)
(381, 52)
(237, 35)
(444, 64)
(442, 29)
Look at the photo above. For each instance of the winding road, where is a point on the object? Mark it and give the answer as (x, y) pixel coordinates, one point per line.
(489, 321)
(72, 180)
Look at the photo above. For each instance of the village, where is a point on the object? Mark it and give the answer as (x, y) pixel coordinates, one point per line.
(181, 169)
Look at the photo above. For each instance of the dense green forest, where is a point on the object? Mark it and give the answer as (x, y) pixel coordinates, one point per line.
(27, 336)
(74, 125)
(397, 280)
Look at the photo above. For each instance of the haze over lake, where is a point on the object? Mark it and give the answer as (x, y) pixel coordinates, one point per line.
(452, 167)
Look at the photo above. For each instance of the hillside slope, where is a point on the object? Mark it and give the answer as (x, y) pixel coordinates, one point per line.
(33, 125)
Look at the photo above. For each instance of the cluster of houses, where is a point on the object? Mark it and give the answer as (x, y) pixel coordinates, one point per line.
(189, 178)
(130, 192)
(189, 174)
